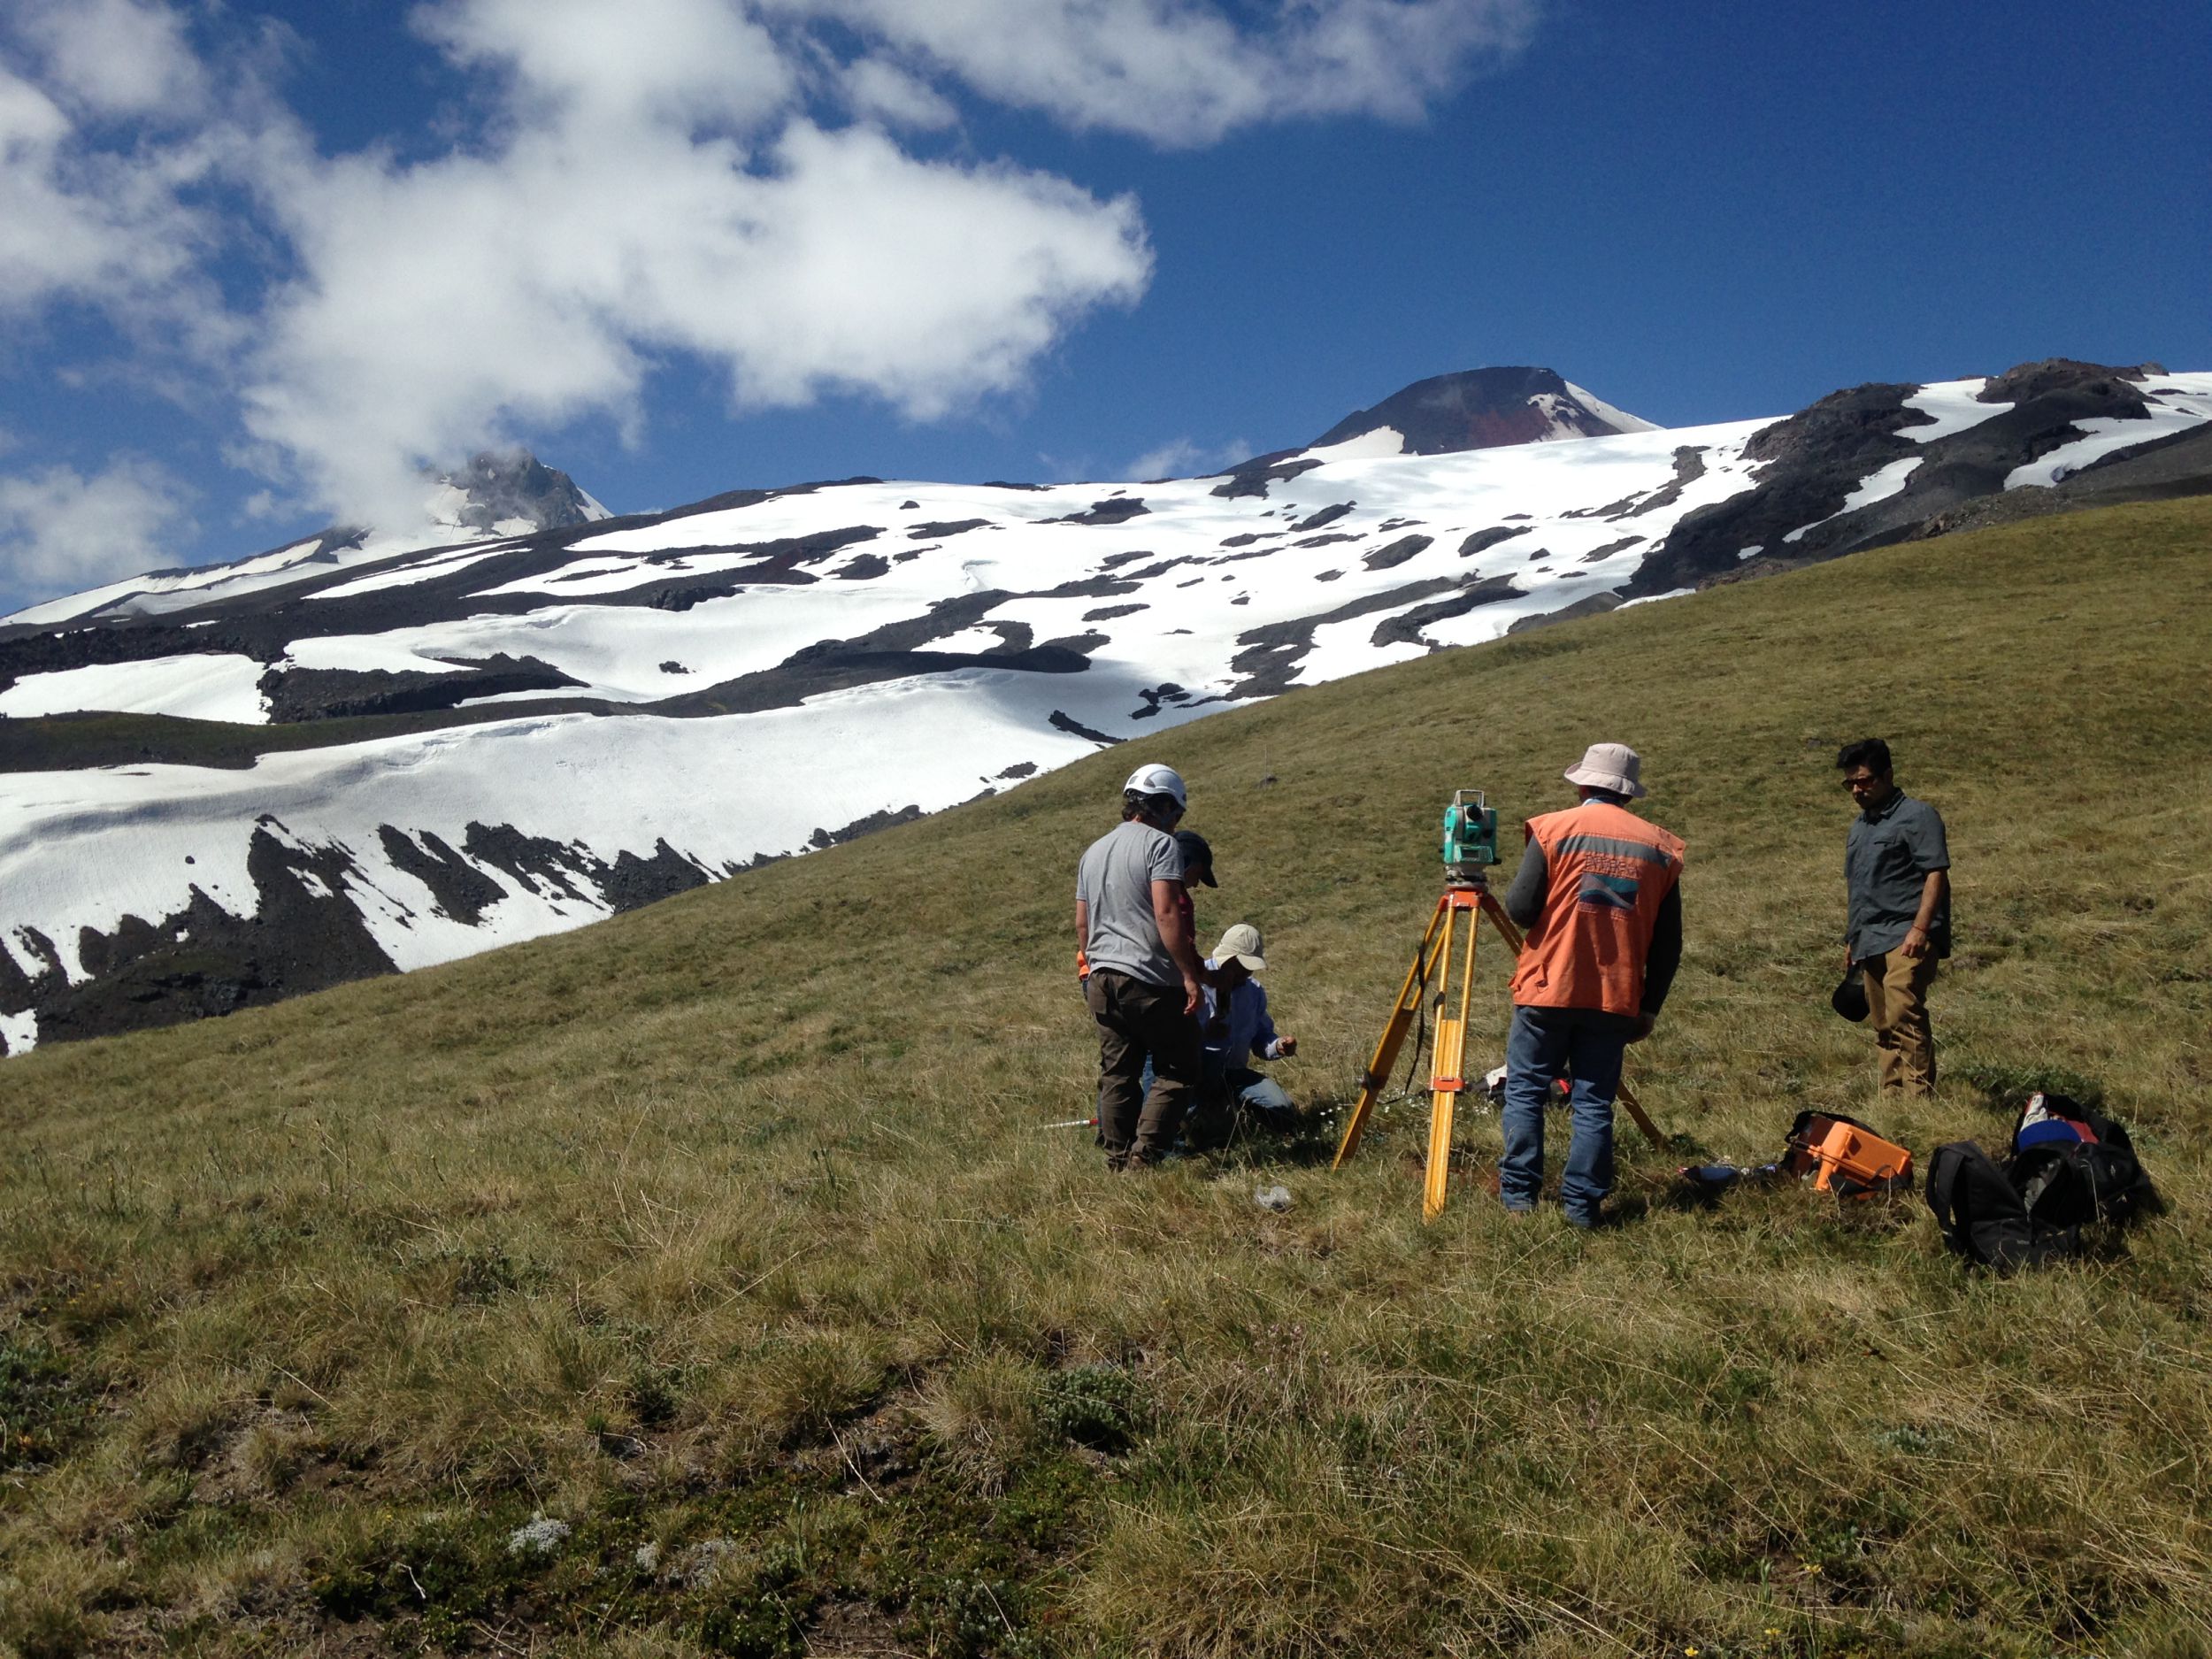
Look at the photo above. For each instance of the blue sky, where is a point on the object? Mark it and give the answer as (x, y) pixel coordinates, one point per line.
(258, 263)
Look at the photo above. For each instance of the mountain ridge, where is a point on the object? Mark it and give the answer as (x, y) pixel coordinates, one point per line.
(485, 739)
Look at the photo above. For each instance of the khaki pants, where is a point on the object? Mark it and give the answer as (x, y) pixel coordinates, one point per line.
(1137, 1021)
(1897, 1005)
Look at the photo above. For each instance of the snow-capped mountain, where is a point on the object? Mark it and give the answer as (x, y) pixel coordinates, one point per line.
(431, 749)
(1478, 409)
(494, 494)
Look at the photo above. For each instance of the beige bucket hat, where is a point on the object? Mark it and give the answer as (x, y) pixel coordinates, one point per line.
(1613, 766)
(1242, 943)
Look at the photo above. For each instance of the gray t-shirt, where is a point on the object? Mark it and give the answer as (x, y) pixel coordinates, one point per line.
(1886, 857)
(1115, 879)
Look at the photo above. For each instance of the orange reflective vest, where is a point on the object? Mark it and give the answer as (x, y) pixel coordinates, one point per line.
(1608, 871)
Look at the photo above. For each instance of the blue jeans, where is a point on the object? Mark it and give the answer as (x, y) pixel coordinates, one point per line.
(1545, 1045)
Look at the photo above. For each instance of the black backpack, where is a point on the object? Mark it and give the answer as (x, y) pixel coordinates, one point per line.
(2069, 1166)
(2072, 1165)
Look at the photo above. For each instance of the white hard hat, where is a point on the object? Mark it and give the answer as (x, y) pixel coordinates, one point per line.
(1157, 780)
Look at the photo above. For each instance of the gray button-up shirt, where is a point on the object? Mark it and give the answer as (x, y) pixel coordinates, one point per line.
(1886, 858)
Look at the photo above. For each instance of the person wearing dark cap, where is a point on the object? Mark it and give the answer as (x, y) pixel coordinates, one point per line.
(1599, 892)
(1198, 870)
(1897, 924)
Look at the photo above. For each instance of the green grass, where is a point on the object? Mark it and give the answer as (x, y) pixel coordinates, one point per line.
(727, 1231)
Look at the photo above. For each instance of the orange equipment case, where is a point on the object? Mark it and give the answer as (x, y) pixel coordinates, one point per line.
(1854, 1161)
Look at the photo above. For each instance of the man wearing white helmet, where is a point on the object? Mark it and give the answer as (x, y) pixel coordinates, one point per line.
(1144, 984)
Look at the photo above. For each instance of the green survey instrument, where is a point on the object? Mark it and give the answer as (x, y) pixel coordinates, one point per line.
(1471, 833)
(1470, 847)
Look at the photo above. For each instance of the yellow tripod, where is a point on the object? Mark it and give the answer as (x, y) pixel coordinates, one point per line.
(1431, 964)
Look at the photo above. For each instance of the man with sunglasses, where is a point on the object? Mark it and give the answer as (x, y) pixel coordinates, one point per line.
(1897, 878)
(1143, 986)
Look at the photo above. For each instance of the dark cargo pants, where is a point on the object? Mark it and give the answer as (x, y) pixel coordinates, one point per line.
(1137, 1021)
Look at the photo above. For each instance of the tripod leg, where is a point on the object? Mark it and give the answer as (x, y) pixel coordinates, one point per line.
(1386, 1055)
(1636, 1110)
(1512, 937)
(1447, 1078)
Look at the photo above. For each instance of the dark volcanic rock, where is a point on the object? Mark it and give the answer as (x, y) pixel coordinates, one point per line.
(1689, 466)
(1596, 604)
(2026, 380)
(322, 694)
(541, 864)
(940, 528)
(462, 891)
(825, 838)
(1118, 510)
(1815, 460)
(303, 936)
(1405, 628)
(1483, 540)
(1252, 477)
(516, 484)
(1599, 555)
(630, 882)
(1397, 553)
(1272, 651)
(863, 567)
(1326, 516)
(1848, 426)
(1062, 721)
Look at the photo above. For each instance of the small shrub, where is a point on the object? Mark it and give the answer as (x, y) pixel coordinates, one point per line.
(42, 1407)
(41, 1627)
(1092, 1405)
(763, 1615)
(654, 1394)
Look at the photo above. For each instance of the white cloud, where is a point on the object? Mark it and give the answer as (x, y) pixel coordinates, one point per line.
(80, 224)
(880, 90)
(657, 180)
(449, 303)
(60, 529)
(116, 57)
(1184, 71)
(664, 62)
(1182, 457)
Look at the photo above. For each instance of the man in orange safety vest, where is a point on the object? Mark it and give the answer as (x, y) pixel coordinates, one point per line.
(1598, 891)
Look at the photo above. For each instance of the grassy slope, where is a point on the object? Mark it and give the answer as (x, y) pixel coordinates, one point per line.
(732, 1219)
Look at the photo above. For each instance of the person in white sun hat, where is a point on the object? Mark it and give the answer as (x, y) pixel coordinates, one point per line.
(1236, 1028)
(1143, 986)
(1599, 893)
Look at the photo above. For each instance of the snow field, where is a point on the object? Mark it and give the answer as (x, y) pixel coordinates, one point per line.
(83, 849)
(210, 685)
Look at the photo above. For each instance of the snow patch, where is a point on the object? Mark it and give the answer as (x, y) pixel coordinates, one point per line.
(1619, 418)
(1952, 404)
(1367, 446)
(204, 686)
